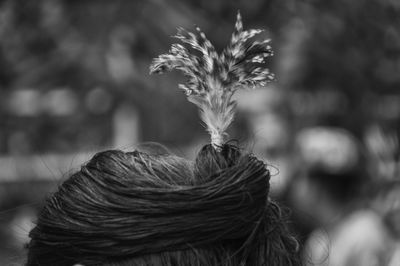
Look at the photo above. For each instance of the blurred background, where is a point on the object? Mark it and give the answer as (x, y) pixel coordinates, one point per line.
(74, 80)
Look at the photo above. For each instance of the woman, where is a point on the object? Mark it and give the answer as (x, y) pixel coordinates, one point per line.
(154, 208)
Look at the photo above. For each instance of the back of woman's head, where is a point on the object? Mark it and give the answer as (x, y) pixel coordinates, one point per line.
(156, 209)
(137, 208)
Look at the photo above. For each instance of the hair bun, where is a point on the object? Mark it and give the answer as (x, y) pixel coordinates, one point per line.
(234, 193)
(209, 161)
(133, 204)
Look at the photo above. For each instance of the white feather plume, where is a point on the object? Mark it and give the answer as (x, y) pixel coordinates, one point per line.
(213, 78)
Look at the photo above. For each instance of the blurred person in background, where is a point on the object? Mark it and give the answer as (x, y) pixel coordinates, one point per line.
(354, 229)
(328, 180)
(326, 191)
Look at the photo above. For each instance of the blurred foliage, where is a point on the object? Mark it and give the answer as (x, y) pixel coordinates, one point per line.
(351, 53)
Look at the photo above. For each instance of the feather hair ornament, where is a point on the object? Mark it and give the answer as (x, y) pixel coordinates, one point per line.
(213, 78)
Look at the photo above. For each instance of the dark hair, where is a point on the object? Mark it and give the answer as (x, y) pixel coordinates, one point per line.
(137, 208)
